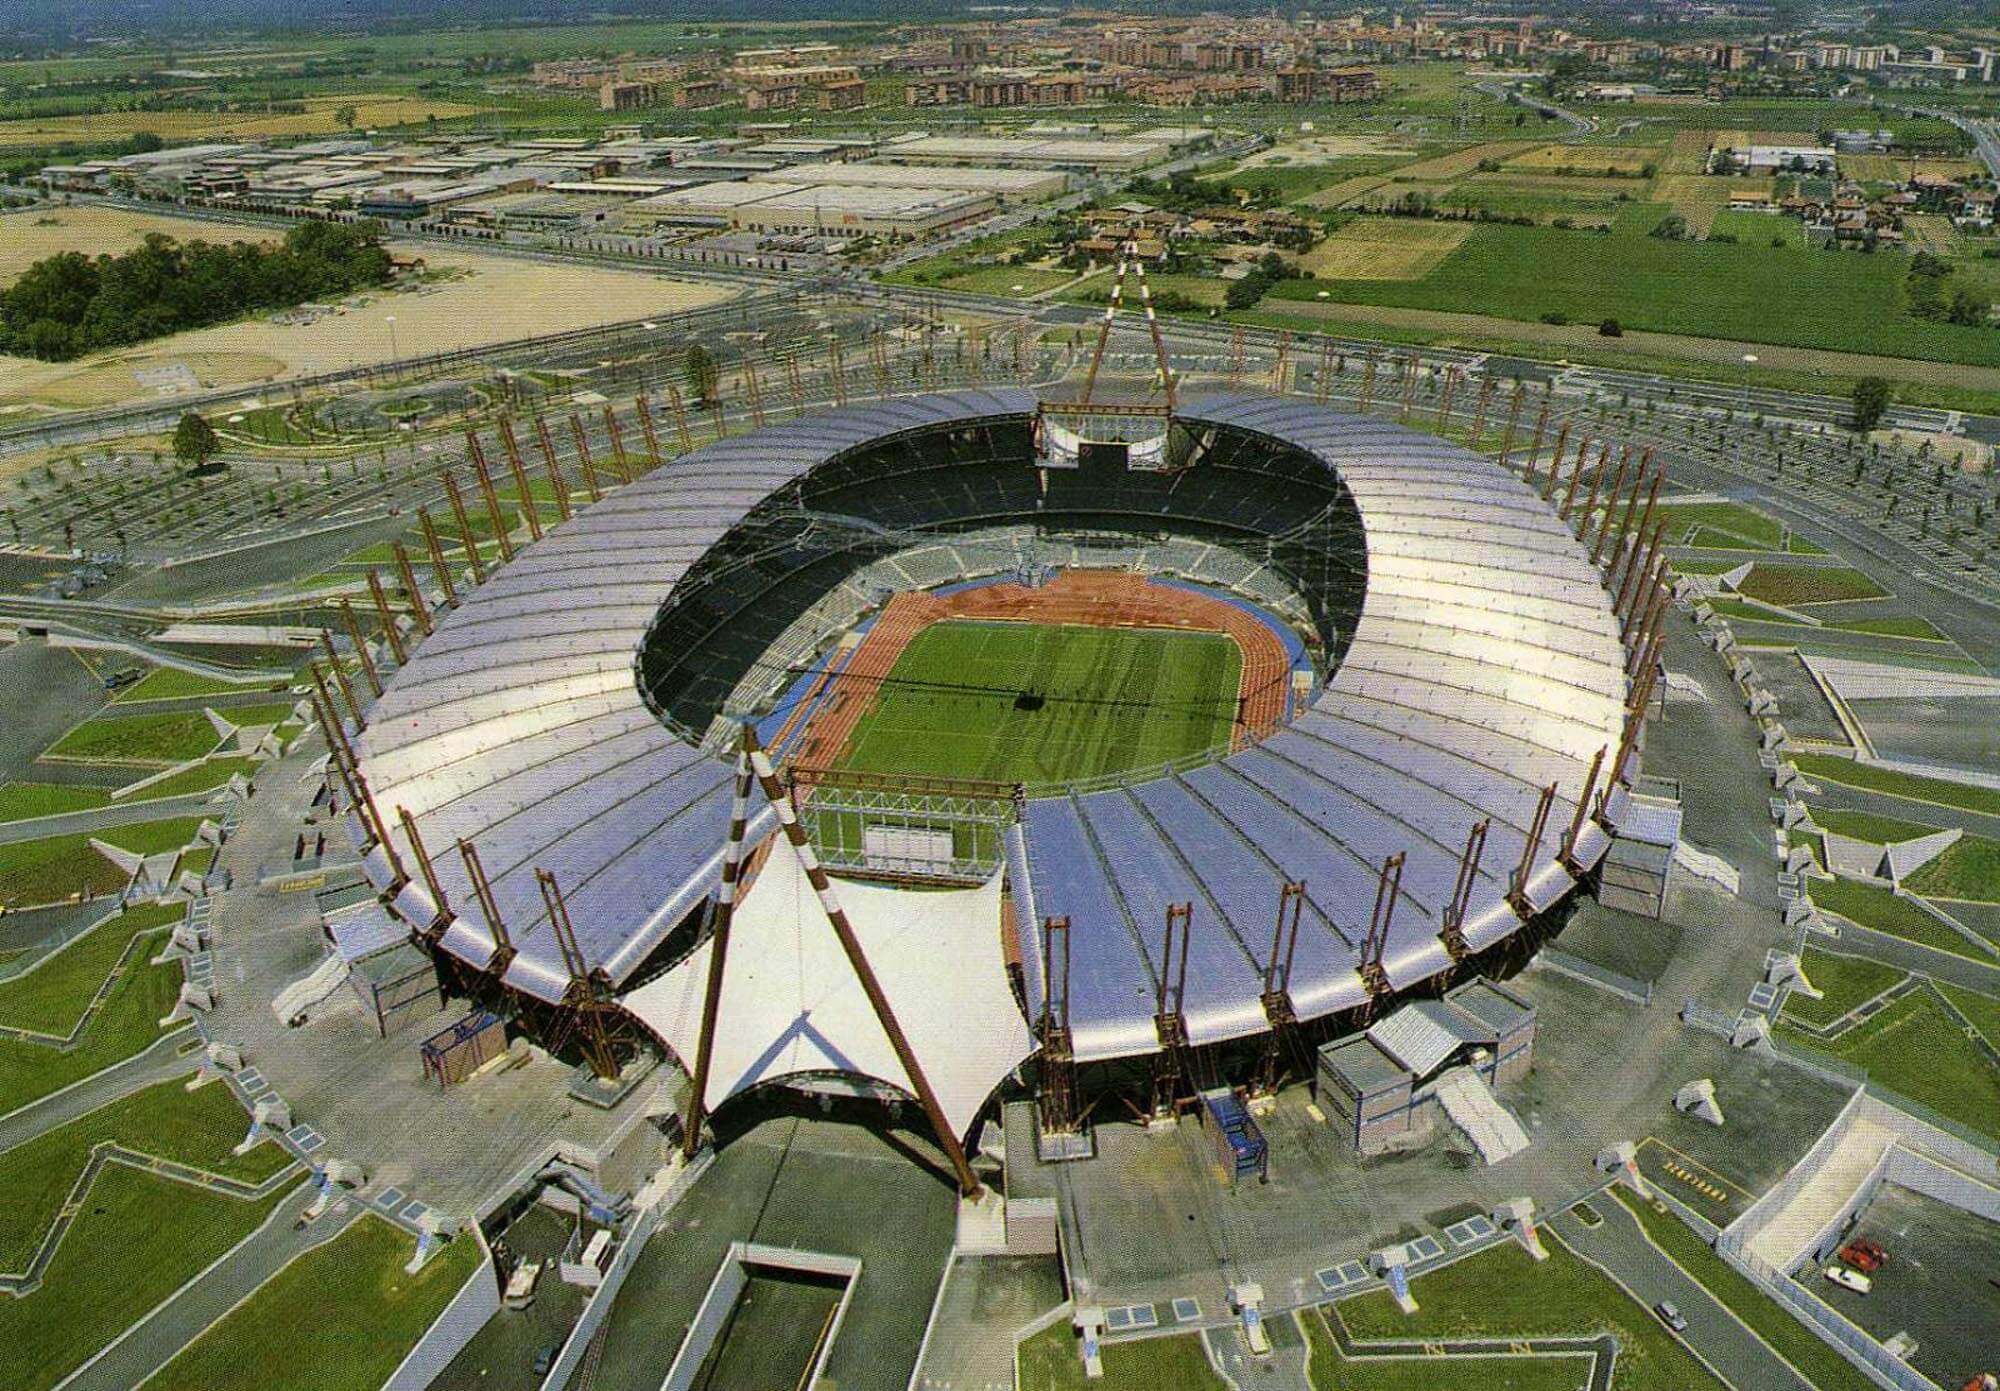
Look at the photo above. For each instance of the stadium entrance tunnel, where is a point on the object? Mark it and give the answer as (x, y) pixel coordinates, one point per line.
(1242, 515)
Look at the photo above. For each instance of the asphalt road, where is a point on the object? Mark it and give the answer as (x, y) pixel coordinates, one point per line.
(1620, 1245)
(157, 1064)
(47, 690)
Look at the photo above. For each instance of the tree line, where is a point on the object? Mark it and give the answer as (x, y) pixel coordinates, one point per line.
(69, 304)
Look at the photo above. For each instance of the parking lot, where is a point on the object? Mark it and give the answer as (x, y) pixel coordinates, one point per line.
(1941, 1284)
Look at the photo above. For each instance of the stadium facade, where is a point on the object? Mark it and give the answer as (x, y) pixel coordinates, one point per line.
(544, 793)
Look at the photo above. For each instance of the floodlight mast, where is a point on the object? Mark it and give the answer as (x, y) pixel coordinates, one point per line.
(1128, 259)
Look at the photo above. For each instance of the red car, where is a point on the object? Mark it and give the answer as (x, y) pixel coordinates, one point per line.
(1865, 1256)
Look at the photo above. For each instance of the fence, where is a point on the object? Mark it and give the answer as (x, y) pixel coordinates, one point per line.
(1855, 1344)
(1590, 973)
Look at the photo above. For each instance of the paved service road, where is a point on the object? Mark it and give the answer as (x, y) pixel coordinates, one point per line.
(158, 1063)
(1619, 1245)
(149, 1344)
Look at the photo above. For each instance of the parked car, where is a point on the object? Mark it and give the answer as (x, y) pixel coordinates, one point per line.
(1671, 1315)
(1849, 1279)
(546, 1359)
(1864, 1255)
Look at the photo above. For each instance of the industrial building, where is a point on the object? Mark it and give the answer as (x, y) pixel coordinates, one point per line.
(829, 209)
(1007, 185)
(1093, 156)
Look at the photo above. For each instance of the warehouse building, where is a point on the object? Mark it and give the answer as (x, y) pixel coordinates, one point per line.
(1007, 185)
(1086, 156)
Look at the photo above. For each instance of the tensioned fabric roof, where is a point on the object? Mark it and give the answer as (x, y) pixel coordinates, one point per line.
(1486, 664)
(792, 1004)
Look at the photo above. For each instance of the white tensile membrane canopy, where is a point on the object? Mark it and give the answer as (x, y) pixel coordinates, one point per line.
(791, 1003)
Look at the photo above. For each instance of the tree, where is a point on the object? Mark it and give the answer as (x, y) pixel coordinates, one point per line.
(344, 118)
(195, 442)
(702, 374)
(1610, 329)
(1672, 227)
(1871, 402)
(145, 142)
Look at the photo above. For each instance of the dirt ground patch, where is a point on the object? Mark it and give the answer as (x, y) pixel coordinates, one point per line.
(319, 118)
(1385, 249)
(1933, 233)
(28, 237)
(1322, 149)
(500, 299)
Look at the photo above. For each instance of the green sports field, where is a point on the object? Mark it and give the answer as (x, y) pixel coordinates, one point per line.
(1044, 703)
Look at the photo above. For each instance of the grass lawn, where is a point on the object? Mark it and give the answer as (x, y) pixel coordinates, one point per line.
(1752, 528)
(50, 998)
(166, 738)
(1846, 982)
(1504, 1292)
(128, 1023)
(1760, 229)
(1915, 1048)
(137, 1241)
(1886, 912)
(1823, 1367)
(171, 683)
(1045, 703)
(265, 1340)
(1792, 585)
(197, 1128)
(205, 777)
(1001, 280)
(1982, 1010)
(152, 837)
(1895, 626)
(1969, 869)
(53, 869)
(242, 716)
(1049, 1362)
(1866, 825)
(1329, 1371)
(22, 801)
(1756, 293)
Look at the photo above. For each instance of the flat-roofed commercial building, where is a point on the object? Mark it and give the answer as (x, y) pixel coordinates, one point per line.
(1094, 156)
(1007, 185)
(839, 210)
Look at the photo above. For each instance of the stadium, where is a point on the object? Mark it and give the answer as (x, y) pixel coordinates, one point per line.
(932, 747)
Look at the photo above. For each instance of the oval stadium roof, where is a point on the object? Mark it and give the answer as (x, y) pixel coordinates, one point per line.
(1485, 666)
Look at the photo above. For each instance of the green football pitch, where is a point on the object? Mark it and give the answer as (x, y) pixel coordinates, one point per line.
(1045, 703)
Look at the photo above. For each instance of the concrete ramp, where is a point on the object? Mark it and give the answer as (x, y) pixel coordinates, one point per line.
(307, 992)
(1475, 1110)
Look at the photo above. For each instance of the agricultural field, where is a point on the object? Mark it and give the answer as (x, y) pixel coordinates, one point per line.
(1385, 249)
(1047, 703)
(371, 111)
(1748, 293)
